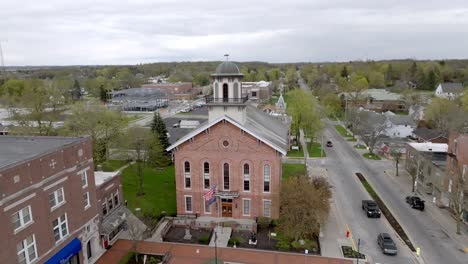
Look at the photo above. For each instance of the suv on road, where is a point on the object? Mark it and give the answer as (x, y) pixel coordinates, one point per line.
(329, 144)
(386, 244)
(371, 208)
(415, 202)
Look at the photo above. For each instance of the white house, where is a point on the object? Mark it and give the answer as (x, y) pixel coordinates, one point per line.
(398, 126)
(449, 90)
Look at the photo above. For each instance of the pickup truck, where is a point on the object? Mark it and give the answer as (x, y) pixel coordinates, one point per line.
(371, 208)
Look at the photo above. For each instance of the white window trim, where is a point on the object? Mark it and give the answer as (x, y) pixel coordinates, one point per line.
(88, 205)
(188, 175)
(55, 198)
(185, 203)
(107, 208)
(25, 249)
(263, 213)
(269, 179)
(116, 194)
(229, 173)
(206, 176)
(85, 174)
(23, 224)
(60, 229)
(243, 207)
(204, 207)
(243, 179)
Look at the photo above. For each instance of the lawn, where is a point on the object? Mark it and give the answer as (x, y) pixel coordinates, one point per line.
(351, 139)
(360, 146)
(291, 170)
(295, 153)
(113, 165)
(159, 188)
(315, 150)
(343, 131)
(371, 156)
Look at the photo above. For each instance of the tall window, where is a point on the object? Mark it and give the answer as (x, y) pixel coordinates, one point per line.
(188, 204)
(21, 218)
(26, 250)
(84, 179)
(60, 227)
(110, 202)
(226, 176)
(188, 181)
(246, 177)
(116, 198)
(267, 208)
(104, 208)
(87, 203)
(56, 198)
(225, 92)
(207, 207)
(246, 206)
(266, 178)
(206, 175)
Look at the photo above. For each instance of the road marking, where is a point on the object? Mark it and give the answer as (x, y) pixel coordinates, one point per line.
(351, 237)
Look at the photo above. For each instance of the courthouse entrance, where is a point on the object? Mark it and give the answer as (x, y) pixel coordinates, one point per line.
(226, 207)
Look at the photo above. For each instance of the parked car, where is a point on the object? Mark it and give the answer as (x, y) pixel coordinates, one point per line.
(329, 144)
(386, 244)
(415, 202)
(371, 208)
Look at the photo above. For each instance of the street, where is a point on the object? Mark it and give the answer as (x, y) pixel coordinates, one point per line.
(342, 162)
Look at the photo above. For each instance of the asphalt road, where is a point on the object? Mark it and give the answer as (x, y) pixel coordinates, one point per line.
(342, 163)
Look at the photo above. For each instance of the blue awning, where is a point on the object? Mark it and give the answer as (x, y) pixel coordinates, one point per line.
(66, 253)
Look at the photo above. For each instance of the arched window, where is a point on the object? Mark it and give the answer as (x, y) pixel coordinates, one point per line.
(226, 176)
(225, 92)
(236, 90)
(266, 177)
(246, 177)
(187, 175)
(206, 175)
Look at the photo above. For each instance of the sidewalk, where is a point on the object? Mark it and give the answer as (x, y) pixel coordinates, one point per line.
(442, 216)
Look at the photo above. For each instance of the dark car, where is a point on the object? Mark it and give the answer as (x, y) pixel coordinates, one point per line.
(386, 244)
(371, 208)
(415, 202)
(329, 144)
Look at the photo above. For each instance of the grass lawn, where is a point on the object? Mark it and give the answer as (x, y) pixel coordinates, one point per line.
(291, 170)
(295, 153)
(351, 139)
(371, 156)
(343, 131)
(315, 150)
(359, 146)
(159, 188)
(113, 165)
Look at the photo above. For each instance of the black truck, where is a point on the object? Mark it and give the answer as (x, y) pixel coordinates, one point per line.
(371, 208)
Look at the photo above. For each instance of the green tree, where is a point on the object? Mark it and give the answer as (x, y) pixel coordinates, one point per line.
(297, 221)
(413, 72)
(12, 89)
(76, 92)
(376, 79)
(158, 127)
(344, 72)
(389, 75)
(93, 119)
(302, 107)
(431, 81)
(102, 93)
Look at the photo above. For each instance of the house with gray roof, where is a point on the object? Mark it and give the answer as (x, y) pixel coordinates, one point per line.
(449, 90)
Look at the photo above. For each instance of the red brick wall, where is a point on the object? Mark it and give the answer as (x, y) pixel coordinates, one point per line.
(208, 146)
(461, 154)
(34, 177)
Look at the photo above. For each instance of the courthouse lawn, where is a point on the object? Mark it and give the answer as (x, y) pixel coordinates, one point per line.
(343, 131)
(159, 188)
(295, 153)
(113, 165)
(315, 150)
(291, 170)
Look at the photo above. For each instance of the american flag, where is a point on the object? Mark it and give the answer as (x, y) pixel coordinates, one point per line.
(209, 194)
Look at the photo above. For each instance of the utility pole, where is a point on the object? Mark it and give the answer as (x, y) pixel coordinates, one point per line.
(2, 61)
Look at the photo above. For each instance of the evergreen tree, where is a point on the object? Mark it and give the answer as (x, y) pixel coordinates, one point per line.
(413, 72)
(158, 127)
(102, 93)
(344, 72)
(389, 75)
(76, 92)
(431, 81)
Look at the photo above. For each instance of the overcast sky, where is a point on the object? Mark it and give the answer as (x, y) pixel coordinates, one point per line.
(62, 32)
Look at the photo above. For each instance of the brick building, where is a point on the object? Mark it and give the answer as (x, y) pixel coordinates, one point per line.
(48, 211)
(457, 171)
(110, 206)
(237, 153)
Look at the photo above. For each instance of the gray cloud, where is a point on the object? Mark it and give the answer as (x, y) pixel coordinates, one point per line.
(57, 32)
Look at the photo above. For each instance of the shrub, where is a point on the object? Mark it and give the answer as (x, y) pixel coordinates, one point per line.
(235, 240)
(263, 222)
(283, 244)
(205, 240)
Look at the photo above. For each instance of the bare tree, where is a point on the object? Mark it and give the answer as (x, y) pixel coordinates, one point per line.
(135, 233)
(396, 155)
(458, 188)
(370, 126)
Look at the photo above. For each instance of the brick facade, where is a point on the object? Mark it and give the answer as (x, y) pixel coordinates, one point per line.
(226, 143)
(30, 182)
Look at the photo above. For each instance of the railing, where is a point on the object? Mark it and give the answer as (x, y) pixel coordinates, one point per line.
(211, 99)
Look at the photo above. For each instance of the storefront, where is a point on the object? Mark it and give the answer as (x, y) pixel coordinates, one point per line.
(69, 254)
